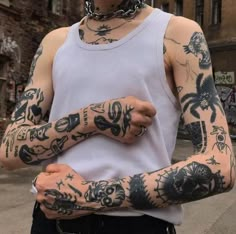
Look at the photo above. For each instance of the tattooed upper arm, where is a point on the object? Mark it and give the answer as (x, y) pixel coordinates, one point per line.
(35, 102)
(201, 107)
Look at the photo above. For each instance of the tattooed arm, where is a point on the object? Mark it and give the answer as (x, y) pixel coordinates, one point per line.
(209, 171)
(29, 142)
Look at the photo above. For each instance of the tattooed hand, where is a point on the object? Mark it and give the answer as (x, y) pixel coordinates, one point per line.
(61, 193)
(123, 119)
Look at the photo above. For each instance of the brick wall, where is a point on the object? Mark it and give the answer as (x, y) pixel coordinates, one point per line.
(26, 22)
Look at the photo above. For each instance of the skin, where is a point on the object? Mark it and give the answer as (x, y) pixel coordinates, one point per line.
(63, 193)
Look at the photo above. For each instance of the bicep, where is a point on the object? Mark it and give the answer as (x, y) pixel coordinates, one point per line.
(37, 96)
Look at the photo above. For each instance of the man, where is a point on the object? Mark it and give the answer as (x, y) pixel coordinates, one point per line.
(115, 84)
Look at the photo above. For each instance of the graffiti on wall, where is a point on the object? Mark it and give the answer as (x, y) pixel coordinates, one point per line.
(226, 78)
(10, 48)
(228, 98)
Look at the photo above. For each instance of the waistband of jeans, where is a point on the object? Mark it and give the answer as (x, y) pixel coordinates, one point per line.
(88, 224)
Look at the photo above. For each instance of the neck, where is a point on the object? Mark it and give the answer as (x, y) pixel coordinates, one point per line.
(106, 6)
(106, 9)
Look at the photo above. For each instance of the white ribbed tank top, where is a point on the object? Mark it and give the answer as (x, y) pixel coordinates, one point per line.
(133, 66)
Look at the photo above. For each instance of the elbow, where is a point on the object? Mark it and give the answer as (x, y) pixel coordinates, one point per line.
(230, 174)
(6, 165)
(5, 162)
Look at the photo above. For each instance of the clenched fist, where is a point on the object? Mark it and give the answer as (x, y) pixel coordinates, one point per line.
(123, 119)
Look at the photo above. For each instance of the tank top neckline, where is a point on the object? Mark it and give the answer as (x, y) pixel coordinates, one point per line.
(115, 44)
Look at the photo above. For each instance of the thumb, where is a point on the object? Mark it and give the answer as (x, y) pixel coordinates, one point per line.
(51, 168)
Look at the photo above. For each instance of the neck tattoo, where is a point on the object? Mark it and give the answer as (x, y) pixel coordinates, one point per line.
(126, 9)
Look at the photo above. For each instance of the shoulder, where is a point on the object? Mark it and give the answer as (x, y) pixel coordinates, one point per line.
(54, 39)
(56, 35)
(182, 28)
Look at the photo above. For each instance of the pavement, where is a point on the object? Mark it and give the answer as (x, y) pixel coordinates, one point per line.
(214, 215)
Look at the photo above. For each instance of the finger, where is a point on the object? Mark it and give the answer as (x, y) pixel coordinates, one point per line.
(148, 109)
(139, 119)
(49, 214)
(51, 168)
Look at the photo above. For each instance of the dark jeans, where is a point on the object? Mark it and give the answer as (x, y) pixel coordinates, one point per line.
(100, 224)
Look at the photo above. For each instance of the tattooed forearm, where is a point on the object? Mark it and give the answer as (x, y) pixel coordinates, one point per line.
(36, 143)
(220, 135)
(38, 153)
(139, 196)
(64, 203)
(198, 135)
(67, 124)
(34, 111)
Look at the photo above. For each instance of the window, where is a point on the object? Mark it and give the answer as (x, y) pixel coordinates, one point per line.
(216, 7)
(179, 7)
(151, 3)
(200, 11)
(5, 2)
(56, 6)
(165, 7)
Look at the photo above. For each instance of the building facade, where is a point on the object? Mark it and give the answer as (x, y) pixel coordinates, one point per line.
(23, 24)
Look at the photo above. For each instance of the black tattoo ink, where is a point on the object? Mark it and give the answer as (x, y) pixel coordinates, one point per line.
(164, 48)
(212, 161)
(64, 203)
(198, 47)
(81, 34)
(16, 151)
(102, 40)
(198, 135)
(33, 65)
(103, 30)
(67, 124)
(115, 115)
(126, 119)
(69, 177)
(75, 190)
(35, 111)
(59, 184)
(58, 144)
(36, 154)
(220, 139)
(179, 89)
(108, 194)
(22, 135)
(19, 114)
(192, 182)
(81, 135)
(189, 71)
(98, 107)
(40, 133)
(85, 112)
(9, 140)
(139, 197)
(205, 97)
